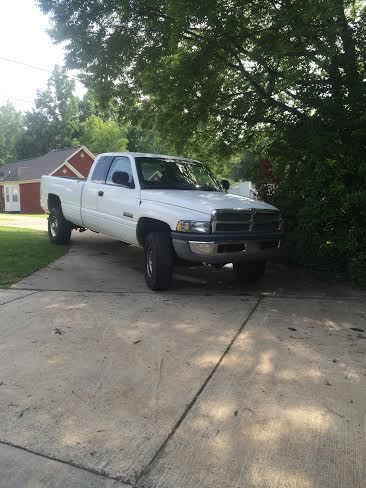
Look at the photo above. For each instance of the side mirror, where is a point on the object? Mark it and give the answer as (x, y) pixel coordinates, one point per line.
(122, 178)
(225, 184)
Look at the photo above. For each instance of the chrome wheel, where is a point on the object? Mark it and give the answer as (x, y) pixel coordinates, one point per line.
(149, 262)
(54, 226)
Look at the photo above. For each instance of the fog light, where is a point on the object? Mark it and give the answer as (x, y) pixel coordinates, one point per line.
(203, 248)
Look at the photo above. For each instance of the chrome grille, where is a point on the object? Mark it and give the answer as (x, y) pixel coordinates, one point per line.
(259, 221)
(266, 221)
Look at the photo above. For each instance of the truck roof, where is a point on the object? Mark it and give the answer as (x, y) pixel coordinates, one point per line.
(148, 155)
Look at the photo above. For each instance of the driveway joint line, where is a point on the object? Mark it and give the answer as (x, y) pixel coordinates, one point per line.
(182, 294)
(18, 298)
(66, 463)
(188, 409)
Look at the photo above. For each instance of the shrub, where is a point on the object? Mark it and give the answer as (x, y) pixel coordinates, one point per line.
(320, 186)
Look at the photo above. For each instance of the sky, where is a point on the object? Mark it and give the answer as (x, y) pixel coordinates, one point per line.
(24, 38)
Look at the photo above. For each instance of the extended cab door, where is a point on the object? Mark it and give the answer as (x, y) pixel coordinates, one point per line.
(89, 210)
(117, 204)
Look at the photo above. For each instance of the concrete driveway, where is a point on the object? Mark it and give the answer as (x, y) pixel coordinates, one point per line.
(24, 221)
(104, 383)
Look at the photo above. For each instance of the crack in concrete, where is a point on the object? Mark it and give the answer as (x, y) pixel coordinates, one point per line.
(159, 380)
(258, 295)
(153, 460)
(67, 463)
(17, 298)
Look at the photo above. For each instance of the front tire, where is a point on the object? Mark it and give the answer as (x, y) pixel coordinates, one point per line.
(59, 229)
(159, 260)
(249, 272)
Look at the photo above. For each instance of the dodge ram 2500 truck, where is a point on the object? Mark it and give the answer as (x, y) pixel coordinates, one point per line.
(172, 207)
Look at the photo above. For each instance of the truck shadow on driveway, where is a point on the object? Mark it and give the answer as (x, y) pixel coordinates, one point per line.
(99, 263)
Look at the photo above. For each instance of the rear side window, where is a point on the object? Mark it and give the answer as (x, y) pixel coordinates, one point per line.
(100, 171)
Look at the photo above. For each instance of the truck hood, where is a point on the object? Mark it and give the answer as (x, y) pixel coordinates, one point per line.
(203, 201)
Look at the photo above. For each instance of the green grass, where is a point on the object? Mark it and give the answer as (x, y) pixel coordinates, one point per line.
(23, 251)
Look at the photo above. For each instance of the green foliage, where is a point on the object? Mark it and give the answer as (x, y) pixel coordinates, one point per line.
(233, 65)
(54, 122)
(90, 105)
(148, 141)
(103, 136)
(321, 188)
(247, 167)
(357, 268)
(10, 129)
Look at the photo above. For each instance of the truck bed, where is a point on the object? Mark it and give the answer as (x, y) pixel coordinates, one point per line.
(69, 190)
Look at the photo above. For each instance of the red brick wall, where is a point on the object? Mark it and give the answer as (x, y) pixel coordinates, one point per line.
(68, 172)
(29, 198)
(2, 200)
(82, 164)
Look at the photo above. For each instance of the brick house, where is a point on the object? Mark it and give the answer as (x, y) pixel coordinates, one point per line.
(20, 180)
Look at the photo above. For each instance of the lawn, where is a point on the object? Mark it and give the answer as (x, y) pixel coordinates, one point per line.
(23, 251)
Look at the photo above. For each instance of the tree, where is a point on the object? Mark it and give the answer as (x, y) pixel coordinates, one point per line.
(103, 136)
(11, 127)
(147, 140)
(54, 122)
(91, 104)
(284, 76)
(238, 64)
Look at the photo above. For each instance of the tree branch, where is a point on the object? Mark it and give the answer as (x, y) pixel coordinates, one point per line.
(260, 90)
(251, 120)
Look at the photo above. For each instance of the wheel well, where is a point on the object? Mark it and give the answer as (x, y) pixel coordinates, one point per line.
(146, 225)
(53, 201)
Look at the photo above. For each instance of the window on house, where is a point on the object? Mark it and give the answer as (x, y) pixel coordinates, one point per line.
(15, 195)
(7, 194)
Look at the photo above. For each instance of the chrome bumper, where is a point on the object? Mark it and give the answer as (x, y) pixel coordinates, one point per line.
(228, 251)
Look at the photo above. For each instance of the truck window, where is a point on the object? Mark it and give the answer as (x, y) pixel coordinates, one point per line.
(100, 171)
(120, 163)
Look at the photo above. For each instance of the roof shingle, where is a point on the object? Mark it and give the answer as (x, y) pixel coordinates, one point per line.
(35, 168)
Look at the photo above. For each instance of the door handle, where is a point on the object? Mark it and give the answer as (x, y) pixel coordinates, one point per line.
(100, 193)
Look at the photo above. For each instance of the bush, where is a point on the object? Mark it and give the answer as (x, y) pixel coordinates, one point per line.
(357, 268)
(320, 186)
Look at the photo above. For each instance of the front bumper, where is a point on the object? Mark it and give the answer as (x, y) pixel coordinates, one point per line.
(224, 248)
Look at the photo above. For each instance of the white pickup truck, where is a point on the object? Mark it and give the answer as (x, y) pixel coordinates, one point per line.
(173, 207)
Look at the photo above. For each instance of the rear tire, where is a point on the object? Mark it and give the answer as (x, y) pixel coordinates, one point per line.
(159, 260)
(249, 272)
(59, 229)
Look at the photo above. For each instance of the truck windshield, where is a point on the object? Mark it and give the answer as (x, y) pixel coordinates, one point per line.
(175, 174)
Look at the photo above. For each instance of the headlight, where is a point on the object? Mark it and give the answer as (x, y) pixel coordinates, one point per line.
(193, 226)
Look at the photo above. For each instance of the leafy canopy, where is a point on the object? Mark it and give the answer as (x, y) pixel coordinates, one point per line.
(103, 136)
(54, 122)
(229, 65)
